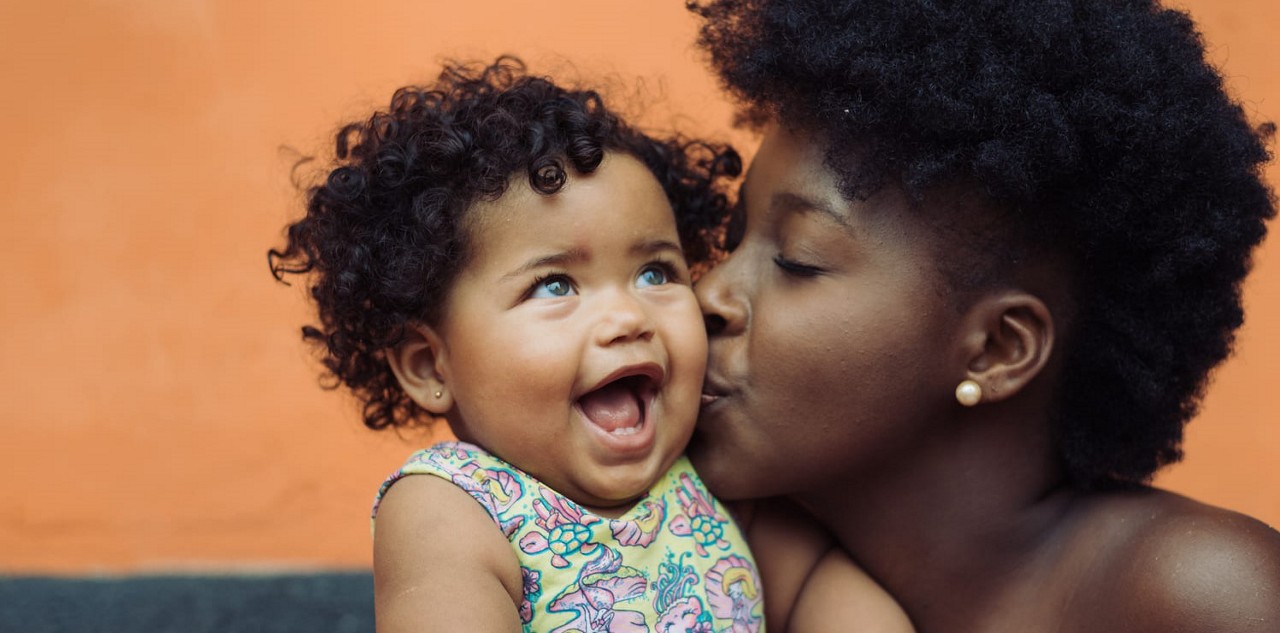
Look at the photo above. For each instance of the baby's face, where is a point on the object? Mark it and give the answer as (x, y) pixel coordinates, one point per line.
(574, 345)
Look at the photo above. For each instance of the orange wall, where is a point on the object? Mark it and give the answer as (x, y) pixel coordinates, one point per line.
(157, 410)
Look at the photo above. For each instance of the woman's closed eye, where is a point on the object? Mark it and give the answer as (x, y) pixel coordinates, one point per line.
(794, 268)
(736, 229)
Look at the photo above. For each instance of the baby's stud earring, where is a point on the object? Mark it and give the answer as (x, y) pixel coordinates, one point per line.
(968, 393)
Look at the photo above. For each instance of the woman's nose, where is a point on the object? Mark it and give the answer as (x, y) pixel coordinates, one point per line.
(719, 292)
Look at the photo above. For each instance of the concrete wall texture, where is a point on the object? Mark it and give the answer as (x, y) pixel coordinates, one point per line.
(158, 411)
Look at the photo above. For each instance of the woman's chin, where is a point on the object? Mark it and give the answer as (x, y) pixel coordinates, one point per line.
(724, 476)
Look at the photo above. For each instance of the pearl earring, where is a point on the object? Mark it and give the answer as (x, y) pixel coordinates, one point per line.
(968, 393)
(439, 394)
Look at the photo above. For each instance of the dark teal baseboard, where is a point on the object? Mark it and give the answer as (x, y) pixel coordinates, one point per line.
(337, 602)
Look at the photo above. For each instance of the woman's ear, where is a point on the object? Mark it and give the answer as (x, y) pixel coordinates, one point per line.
(420, 363)
(1010, 342)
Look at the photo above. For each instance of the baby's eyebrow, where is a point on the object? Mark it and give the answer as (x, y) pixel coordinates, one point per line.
(579, 255)
(562, 258)
(649, 247)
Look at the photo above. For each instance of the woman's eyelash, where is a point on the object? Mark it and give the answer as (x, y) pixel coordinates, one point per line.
(795, 268)
(736, 228)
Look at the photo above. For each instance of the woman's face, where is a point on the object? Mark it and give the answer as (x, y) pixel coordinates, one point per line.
(828, 351)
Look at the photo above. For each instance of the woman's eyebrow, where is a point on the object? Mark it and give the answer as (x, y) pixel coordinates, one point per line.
(790, 202)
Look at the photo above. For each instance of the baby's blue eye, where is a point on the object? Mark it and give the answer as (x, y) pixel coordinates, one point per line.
(651, 276)
(551, 287)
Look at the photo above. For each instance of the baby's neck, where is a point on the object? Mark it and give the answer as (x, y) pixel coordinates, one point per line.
(610, 512)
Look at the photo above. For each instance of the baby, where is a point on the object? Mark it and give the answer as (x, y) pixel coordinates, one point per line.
(508, 255)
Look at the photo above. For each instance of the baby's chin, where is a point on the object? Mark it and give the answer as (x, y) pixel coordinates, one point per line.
(620, 490)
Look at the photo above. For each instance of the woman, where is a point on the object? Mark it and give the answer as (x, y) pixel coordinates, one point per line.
(987, 254)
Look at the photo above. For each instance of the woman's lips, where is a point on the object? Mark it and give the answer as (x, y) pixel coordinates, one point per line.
(712, 390)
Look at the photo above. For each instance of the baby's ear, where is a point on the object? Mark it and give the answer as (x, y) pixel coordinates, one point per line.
(420, 363)
(1009, 343)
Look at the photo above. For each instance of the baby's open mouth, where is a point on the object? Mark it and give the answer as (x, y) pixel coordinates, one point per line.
(618, 407)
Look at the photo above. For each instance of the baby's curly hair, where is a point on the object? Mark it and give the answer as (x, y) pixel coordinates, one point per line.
(385, 235)
(1097, 128)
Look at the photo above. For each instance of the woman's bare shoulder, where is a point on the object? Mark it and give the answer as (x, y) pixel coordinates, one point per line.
(1168, 563)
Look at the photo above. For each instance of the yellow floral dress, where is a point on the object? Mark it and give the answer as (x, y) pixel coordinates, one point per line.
(674, 562)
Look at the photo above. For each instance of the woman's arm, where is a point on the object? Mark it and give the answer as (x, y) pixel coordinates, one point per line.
(787, 546)
(841, 597)
(440, 563)
(810, 585)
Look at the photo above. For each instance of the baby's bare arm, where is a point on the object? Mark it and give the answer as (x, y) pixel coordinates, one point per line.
(440, 563)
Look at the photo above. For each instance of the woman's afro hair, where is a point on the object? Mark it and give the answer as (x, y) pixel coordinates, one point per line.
(384, 235)
(1098, 125)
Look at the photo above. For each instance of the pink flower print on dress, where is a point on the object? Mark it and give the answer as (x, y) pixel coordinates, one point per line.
(699, 518)
(532, 580)
(566, 529)
(457, 451)
(733, 590)
(602, 585)
(641, 531)
(497, 489)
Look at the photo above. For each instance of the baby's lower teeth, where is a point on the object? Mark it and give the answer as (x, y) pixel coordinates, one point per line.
(630, 430)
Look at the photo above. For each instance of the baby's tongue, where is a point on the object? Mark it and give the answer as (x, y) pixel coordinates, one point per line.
(612, 407)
